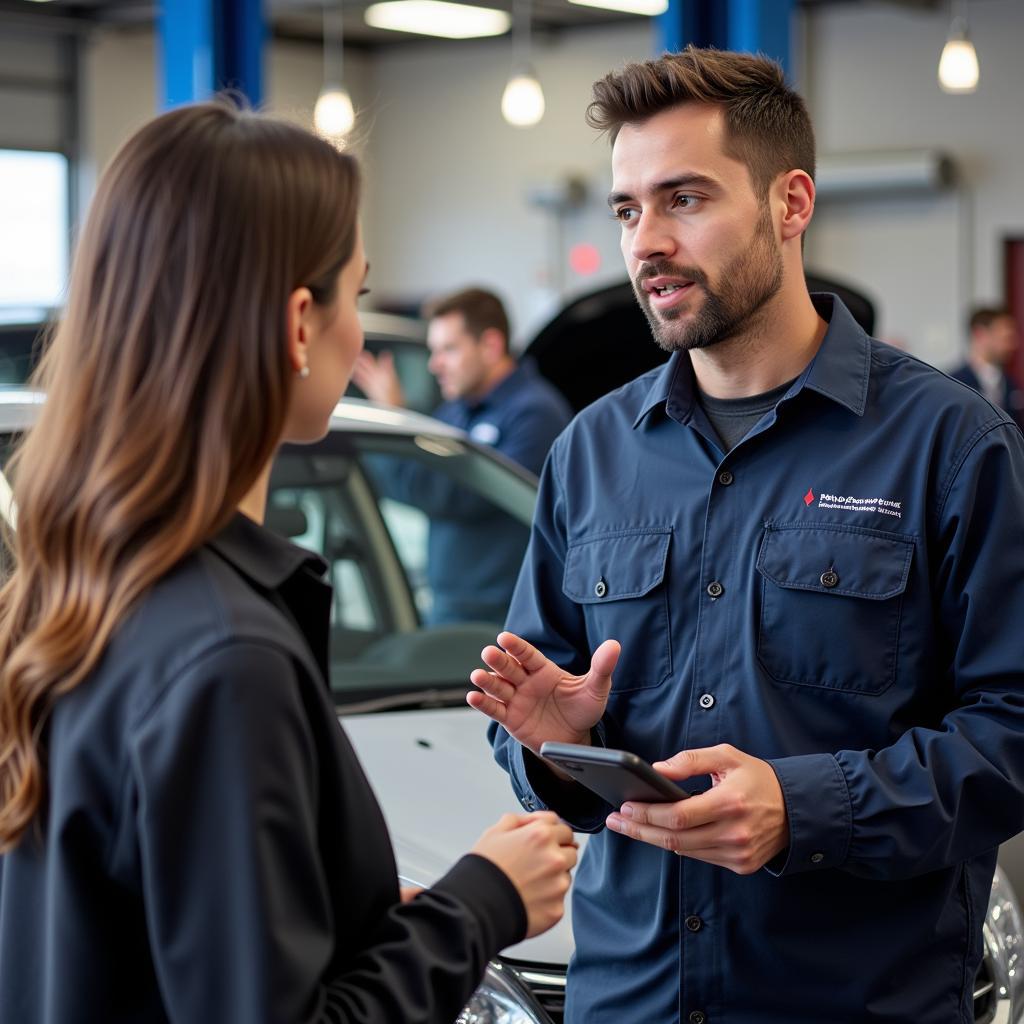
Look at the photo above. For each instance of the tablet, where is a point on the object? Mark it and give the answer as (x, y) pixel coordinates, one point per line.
(615, 775)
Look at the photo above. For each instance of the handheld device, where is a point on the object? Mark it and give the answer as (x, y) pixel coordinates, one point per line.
(615, 775)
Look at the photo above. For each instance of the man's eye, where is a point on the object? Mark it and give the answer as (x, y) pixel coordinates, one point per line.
(624, 215)
(685, 202)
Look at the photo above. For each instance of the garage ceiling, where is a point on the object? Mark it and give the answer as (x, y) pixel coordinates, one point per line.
(302, 19)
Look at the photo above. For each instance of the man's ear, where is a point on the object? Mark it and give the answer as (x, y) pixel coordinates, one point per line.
(493, 342)
(299, 326)
(795, 192)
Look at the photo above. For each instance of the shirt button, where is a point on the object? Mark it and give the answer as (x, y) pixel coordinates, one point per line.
(725, 478)
(716, 589)
(829, 579)
(694, 923)
(706, 701)
(698, 1017)
(817, 858)
(600, 588)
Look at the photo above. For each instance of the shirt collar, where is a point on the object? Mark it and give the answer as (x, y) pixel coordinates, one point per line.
(840, 370)
(261, 555)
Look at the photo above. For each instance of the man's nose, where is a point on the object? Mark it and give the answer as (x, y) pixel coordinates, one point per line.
(652, 239)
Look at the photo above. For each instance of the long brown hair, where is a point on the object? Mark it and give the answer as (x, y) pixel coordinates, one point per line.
(167, 387)
(767, 123)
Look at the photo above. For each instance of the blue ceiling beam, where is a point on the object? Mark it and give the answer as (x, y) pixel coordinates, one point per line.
(210, 45)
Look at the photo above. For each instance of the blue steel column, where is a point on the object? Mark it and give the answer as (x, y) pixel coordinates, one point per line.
(754, 26)
(208, 45)
(762, 26)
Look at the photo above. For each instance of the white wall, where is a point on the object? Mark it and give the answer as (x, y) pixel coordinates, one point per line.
(870, 77)
(120, 76)
(449, 203)
(447, 179)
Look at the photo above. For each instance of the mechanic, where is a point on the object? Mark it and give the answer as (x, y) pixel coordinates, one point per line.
(808, 545)
(474, 549)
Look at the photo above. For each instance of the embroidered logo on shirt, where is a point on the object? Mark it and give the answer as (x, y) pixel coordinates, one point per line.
(848, 503)
(485, 433)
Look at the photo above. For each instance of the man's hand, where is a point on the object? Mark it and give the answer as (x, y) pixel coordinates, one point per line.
(378, 378)
(739, 824)
(535, 699)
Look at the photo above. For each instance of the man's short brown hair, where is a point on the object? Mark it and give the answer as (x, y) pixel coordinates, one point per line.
(480, 310)
(986, 316)
(767, 124)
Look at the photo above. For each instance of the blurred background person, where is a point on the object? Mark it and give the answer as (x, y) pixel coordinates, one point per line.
(474, 550)
(487, 393)
(992, 344)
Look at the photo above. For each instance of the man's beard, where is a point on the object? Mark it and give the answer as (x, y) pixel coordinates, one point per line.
(748, 283)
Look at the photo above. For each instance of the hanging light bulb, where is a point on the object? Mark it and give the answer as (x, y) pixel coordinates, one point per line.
(333, 115)
(958, 65)
(522, 103)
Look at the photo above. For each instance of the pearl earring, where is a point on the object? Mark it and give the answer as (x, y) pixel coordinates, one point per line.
(304, 373)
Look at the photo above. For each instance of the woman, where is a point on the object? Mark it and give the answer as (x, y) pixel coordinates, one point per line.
(186, 833)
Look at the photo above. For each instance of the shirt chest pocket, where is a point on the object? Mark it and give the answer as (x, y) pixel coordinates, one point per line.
(831, 604)
(619, 580)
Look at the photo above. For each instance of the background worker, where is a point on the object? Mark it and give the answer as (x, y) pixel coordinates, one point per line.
(474, 549)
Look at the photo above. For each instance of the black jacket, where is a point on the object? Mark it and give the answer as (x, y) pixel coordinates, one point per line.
(210, 850)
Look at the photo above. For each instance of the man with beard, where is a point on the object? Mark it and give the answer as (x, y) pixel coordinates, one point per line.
(806, 545)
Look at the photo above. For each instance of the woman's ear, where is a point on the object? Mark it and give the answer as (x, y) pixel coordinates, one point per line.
(300, 328)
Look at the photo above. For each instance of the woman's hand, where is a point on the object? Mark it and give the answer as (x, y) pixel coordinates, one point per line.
(537, 852)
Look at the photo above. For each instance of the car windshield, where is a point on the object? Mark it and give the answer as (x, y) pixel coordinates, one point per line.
(423, 536)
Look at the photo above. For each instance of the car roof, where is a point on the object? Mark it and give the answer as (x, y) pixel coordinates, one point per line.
(19, 407)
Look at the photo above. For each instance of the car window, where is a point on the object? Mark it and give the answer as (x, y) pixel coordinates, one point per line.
(423, 537)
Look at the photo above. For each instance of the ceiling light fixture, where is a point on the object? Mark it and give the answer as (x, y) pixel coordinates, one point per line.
(437, 18)
(648, 8)
(958, 65)
(333, 115)
(522, 102)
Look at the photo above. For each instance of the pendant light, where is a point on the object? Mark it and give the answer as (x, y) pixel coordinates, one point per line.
(958, 65)
(333, 115)
(522, 103)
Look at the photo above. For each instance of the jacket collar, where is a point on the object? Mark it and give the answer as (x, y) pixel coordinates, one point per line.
(261, 555)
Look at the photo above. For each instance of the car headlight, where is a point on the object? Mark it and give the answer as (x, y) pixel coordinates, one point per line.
(1003, 943)
(501, 999)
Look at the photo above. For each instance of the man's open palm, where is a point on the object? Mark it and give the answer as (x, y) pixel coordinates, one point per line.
(537, 700)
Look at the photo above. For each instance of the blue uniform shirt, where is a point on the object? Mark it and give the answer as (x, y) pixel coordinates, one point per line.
(474, 550)
(520, 417)
(842, 594)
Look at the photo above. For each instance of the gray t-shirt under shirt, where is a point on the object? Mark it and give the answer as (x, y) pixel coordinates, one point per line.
(733, 418)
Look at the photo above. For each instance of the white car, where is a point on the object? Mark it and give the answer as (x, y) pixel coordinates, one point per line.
(400, 685)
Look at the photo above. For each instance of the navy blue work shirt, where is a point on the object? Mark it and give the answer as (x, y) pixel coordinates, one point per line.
(519, 417)
(841, 594)
(474, 550)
